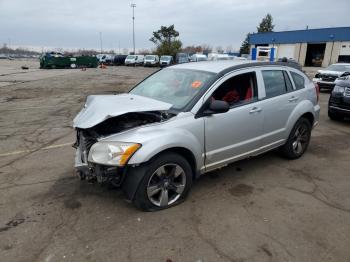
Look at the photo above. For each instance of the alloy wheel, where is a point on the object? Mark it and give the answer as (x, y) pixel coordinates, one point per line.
(301, 137)
(166, 185)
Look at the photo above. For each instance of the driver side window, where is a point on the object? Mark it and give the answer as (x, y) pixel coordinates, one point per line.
(238, 90)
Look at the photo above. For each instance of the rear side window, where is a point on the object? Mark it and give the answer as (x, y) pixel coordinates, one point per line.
(299, 81)
(274, 83)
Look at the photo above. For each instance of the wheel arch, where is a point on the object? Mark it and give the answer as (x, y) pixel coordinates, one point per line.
(309, 116)
(303, 109)
(184, 152)
(134, 174)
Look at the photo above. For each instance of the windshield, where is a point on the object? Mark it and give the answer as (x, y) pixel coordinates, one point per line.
(165, 58)
(149, 57)
(339, 68)
(173, 86)
(130, 57)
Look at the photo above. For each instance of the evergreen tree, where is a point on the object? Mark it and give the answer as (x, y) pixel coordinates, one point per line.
(266, 24)
(245, 47)
(166, 40)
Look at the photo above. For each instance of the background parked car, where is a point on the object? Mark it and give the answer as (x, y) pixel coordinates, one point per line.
(317, 61)
(151, 60)
(339, 100)
(291, 62)
(119, 60)
(166, 60)
(217, 57)
(198, 58)
(106, 59)
(326, 78)
(181, 58)
(134, 60)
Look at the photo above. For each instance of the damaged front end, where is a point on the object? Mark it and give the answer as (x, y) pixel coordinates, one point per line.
(99, 168)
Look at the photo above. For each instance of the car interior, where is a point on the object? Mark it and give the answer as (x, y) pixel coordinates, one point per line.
(237, 90)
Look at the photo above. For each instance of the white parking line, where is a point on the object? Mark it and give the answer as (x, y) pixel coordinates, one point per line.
(33, 150)
(27, 108)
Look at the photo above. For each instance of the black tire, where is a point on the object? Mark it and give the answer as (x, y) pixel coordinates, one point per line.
(334, 116)
(296, 145)
(142, 199)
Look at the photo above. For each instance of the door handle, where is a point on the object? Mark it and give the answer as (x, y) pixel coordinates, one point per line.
(293, 99)
(255, 110)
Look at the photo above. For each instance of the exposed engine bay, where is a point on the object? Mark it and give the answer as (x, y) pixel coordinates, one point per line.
(89, 136)
(124, 122)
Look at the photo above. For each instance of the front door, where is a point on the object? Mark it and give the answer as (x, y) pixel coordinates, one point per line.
(237, 133)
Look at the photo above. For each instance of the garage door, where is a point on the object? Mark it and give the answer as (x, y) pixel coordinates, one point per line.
(285, 51)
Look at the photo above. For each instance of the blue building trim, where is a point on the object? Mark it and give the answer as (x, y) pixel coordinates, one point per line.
(302, 36)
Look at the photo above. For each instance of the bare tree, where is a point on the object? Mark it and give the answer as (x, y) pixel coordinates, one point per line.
(219, 49)
(207, 49)
(229, 49)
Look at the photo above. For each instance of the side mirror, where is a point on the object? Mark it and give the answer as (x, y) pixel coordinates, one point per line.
(217, 107)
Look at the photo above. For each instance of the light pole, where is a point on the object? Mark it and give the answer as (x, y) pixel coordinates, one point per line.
(133, 25)
(101, 41)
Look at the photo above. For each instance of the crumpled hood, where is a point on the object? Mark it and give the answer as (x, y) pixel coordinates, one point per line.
(327, 72)
(98, 108)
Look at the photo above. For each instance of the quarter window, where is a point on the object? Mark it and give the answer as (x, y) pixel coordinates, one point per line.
(299, 81)
(288, 82)
(274, 83)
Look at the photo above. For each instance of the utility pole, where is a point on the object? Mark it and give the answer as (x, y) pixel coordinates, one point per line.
(133, 25)
(101, 42)
(9, 46)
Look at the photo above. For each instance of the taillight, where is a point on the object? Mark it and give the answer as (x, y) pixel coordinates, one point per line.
(317, 91)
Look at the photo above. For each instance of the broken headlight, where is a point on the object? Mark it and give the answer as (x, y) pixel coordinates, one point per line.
(112, 153)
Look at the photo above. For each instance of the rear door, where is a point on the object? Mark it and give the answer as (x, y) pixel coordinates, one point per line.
(279, 101)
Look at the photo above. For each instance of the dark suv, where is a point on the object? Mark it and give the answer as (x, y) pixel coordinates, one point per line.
(339, 101)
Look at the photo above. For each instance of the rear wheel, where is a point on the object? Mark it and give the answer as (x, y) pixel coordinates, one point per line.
(298, 140)
(166, 183)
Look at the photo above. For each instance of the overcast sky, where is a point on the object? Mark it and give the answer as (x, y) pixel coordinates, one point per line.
(76, 24)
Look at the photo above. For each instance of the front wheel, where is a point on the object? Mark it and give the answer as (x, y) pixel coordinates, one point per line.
(166, 183)
(298, 140)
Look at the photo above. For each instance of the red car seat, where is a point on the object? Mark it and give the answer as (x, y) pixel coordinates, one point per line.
(249, 93)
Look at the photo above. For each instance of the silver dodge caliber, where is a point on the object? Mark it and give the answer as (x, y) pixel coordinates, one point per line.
(188, 119)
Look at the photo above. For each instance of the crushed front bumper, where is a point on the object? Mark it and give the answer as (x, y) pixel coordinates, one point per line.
(95, 172)
(339, 105)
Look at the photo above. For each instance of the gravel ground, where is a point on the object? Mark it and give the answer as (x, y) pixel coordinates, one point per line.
(262, 209)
